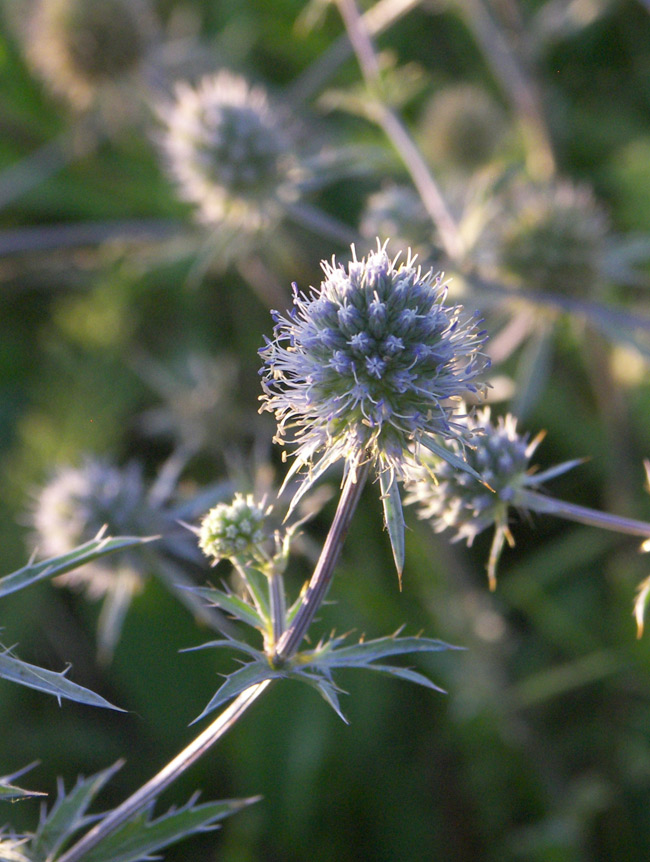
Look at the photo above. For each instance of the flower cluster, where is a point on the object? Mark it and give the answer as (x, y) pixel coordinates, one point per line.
(234, 530)
(462, 127)
(228, 151)
(551, 238)
(78, 46)
(457, 500)
(78, 501)
(370, 364)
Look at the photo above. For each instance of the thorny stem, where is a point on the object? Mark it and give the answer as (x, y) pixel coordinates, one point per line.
(149, 791)
(322, 576)
(287, 645)
(396, 132)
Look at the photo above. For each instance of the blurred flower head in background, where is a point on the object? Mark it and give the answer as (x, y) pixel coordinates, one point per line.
(368, 364)
(229, 152)
(83, 49)
(462, 127)
(550, 237)
(77, 503)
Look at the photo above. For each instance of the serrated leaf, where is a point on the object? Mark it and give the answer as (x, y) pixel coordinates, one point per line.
(394, 519)
(68, 814)
(231, 643)
(361, 654)
(327, 689)
(49, 682)
(247, 676)
(140, 837)
(232, 604)
(92, 550)
(406, 673)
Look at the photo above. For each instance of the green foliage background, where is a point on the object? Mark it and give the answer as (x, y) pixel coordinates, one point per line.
(541, 749)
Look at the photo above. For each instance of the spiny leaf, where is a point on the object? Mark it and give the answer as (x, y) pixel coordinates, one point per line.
(68, 814)
(97, 547)
(49, 682)
(141, 836)
(361, 654)
(232, 604)
(248, 675)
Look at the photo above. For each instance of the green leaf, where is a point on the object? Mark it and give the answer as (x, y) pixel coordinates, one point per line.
(9, 791)
(406, 673)
(92, 550)
(248, 675)
(232, 604)
(394, 519)
(68, 814)
(326, 688)
(141, 837)
(50, 682)
(361, 654)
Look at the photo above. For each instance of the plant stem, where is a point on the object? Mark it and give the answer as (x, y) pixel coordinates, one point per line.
(582, 514)
(288, 644)
(396, 132)
(377, 19)
(167, 775)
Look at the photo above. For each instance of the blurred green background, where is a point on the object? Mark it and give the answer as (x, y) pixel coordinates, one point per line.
(541, 748)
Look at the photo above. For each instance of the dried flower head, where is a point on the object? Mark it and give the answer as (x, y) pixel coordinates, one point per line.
(398, 212)
(462, 127)
(80, 46)
(551, 238)
(229, 152)
(449, 498)
(235, 530)
(370, 364)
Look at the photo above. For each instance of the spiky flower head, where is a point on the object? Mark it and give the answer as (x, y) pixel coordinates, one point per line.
(74, 506)
(551, 238)
(368, 365)
(228, 151)
(398, 212)
(501, 456)
(79, 46)
(235, 530)
(462, 127)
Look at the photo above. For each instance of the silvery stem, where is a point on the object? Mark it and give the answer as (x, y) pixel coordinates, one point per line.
(167, 775)
(582, 514)
(288, 644)
(395, 131)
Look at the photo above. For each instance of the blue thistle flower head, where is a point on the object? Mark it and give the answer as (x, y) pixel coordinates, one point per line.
(370, 365)
(501, 456)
